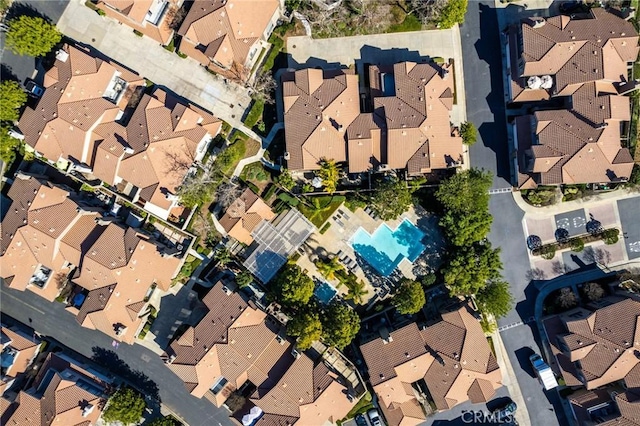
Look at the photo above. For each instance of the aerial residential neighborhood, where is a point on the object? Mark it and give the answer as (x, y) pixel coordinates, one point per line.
(319, 212)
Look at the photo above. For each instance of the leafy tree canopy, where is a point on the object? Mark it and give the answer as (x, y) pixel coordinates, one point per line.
(306, 326)
(453, 13)
(292, 286)
(469, 133)
(32, 36)
(495, 298)
(8, 145)
(329, 174)
(12, 97)
(340, 324)
(391, 199)
(462, 230)
(470, 268)
(126, 406)
(244, 278)
(165, 421)
(410, 297)
(357, 289)
(465, 191)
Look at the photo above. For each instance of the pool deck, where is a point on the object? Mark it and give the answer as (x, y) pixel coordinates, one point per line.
(337, 238)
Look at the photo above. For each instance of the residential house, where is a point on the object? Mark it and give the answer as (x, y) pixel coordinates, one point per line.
(19, 350)
(582, 62)
(408, 127)
(244, 215)
(51, 240)
(150, 17)
(63, 393)
(609, 406)
(447, 363)
(228, 35)
(597, 346)
(237, 345)
(80, 124)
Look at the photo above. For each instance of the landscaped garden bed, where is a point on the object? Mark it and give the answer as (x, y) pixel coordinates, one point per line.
(319, 209)
(548, 251)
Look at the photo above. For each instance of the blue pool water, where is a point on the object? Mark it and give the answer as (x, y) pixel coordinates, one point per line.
(386, 248)
(325, 292)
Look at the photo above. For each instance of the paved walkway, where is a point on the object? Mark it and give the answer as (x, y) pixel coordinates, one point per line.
(260, 154)
(186, 77)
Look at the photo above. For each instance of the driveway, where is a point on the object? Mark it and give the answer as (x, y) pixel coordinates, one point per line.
(485, 108)
(186, 77)
(416, 46)
(18, 67)
(50, 319)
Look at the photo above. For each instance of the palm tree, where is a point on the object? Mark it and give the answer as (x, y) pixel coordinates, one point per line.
(356, 288)
(329, 267)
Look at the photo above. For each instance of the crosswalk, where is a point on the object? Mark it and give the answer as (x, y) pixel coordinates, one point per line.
(515, 324)
(500, 190)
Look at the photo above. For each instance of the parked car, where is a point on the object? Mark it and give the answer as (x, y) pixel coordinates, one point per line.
(543, 371)
(505, 413)
(34, 89)
(374, 417)
(361, 421)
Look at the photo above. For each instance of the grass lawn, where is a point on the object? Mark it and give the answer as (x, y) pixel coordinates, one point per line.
(278, 46)
(255, 113)
(410, 23)
(323, 208)
(241, 147)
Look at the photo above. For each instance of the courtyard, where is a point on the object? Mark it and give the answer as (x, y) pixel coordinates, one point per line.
(403, 250)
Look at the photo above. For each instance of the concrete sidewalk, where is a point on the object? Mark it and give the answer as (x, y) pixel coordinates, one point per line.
(567, 206)
(186, 77)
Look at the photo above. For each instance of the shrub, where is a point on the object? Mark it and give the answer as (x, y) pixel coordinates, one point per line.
(548, 251)
(577, 244)
(126, 406)
(468, 133)
(101, 12)
(610, 236)
(325, 227)
(269, 192)
(567, 298)
(138, 33)
(593, 291)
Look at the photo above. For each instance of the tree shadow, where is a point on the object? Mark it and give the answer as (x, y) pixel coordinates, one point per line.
(23, 9)
(135, 378)
(6, 73)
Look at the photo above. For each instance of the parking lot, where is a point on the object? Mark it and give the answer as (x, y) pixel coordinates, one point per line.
(574, 222)
(629, 211)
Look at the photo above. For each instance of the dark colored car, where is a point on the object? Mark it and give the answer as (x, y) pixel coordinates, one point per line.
(33, 89)
(361, 421)
(506, 412)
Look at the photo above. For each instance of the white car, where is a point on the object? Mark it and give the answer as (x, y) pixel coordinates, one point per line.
(374, 417)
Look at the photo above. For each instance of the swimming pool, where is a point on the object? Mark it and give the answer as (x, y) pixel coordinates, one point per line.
(325, 292)
(386, 248)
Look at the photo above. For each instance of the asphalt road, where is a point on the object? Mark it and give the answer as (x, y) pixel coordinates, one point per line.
(50, 319)
(485, 108)
(17, 67)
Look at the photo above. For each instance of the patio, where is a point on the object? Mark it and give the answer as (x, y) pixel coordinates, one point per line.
(336, 241)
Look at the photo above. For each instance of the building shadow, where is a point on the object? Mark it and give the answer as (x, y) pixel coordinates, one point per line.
(18, 9)
(6, 73)
(176, 312)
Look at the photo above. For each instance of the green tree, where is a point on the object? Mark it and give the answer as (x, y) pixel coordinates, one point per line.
(12, 97)
(567, 298)
(32, 36)
(291, 286)
(329, 268)
(495, 298)
(610, 236)
(285, 180)
(8, 145)
(306, 326)
(453, 13)
(428, 280)
(469, 133)
(465, 200)
(340, 324)
(356, 289)
(165, 421)
(410, 297)
(593, 291)
(391, 199)
(470, 268)
(126, 406)
(222, 256)
(329, 174)
(244, 278)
